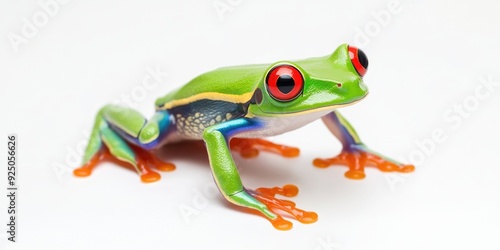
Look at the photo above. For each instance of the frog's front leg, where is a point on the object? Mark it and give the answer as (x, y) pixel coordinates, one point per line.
(125, 135)
(228, 180)
(355, 154)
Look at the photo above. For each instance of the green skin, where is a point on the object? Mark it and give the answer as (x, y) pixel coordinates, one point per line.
(220, 105)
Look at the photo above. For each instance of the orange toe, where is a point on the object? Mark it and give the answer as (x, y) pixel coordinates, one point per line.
(266, 196)
(86, 169)
(82, 172)
(281, 224)
(407, 169)
(150, 177)
(290, 152)
(320, 163)
(355, 174)
(165, 167)
(288, 190)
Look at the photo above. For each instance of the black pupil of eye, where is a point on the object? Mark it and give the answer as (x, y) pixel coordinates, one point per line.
(363, 59)
(285, 83)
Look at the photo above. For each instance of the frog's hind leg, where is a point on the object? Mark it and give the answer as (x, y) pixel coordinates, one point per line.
(123, 134)
(250, 147)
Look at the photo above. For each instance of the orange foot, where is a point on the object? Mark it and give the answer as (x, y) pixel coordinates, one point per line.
(357, 159)
(266, 196)
(249, 148)
(144, 160)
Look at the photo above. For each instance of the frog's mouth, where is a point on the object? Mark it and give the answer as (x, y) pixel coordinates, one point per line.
(324, 109)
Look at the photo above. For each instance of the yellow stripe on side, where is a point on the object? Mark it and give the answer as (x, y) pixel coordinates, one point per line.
(210, 96)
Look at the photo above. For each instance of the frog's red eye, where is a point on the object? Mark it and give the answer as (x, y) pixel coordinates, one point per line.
(284, 82)
(359, 60)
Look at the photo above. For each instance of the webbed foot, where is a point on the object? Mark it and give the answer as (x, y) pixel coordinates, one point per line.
(249, 147)
(272, 205)
(144, 160)
(359, 156)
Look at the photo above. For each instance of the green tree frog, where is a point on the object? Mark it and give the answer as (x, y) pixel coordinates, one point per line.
(231, 109)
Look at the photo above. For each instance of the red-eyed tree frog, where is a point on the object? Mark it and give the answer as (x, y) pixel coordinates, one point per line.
(232, 108)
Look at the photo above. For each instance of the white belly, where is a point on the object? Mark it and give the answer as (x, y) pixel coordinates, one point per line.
(282, 124)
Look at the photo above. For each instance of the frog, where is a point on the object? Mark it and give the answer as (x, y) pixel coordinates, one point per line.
(232, 110)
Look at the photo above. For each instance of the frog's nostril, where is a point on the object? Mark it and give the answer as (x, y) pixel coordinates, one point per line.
(339, 85)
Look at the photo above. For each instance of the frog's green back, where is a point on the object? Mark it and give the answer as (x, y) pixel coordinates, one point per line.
(235, 83)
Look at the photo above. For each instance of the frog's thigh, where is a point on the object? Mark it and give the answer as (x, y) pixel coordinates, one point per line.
(118, 128)
(103, 134)
(135, 128)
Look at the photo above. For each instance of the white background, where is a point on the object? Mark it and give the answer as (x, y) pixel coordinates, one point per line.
(426, 57)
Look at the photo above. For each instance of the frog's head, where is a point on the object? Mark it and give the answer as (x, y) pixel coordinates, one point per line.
(323, 83)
